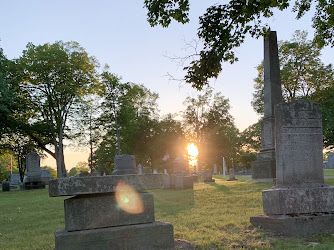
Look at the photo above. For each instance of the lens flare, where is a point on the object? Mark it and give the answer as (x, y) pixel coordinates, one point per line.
(193, 153)
(128, 199)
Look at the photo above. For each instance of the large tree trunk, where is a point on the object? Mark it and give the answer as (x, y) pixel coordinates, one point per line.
(61, 171)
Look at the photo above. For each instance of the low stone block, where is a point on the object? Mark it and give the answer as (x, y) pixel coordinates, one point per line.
(5, 186)
(298, 200)
(166, 179)
(150, 236)
(102, 184)
(263, 169)
(102, 210)
(195, 178)
(296, 226)
(184, 182)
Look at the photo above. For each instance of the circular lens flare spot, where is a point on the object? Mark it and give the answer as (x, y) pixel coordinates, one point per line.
(128, 198)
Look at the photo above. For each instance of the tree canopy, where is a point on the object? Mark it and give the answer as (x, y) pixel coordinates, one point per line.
(224, 27)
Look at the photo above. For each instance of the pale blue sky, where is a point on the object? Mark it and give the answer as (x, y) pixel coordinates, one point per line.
(117, 33)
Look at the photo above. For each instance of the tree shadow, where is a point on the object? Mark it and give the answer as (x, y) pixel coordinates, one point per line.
(172, 202)
(221, 187)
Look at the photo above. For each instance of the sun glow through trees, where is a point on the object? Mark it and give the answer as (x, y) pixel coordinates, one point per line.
(192, 153)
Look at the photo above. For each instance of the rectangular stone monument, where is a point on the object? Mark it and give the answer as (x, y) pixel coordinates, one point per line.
(46, 176)
(330, 161)
(224, 167)
(264, 167)
(111, 212)
(215, 171)
(33, 178)
(300, 204)
(207, 176)
(232, 175)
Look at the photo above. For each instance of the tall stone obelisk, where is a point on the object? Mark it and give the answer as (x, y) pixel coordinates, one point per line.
(265, 166)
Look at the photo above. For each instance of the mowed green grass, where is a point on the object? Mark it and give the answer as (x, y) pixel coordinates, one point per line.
(212, 216)
(328, 172)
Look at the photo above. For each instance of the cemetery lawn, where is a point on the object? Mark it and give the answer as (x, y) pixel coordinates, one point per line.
(212, 216)
(328, 172)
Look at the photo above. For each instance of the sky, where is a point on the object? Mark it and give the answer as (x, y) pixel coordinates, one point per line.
(118, 34)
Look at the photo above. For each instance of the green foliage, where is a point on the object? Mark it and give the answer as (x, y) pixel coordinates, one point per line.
(73, 172)
(211, 127)
(251, 137)
(55, 80)
(5, 165)
(224, 28)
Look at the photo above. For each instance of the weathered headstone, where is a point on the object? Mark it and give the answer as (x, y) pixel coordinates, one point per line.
(165, 171)
(155, 171)
(180, 165)
(232, 175)
(215, 171)
(124, 164)
(5, 186)
(46, 176)
(264, 167)
(330, 161)
(33, 177)
(140, 169)
(300, 204)
(207, 176)
(111, 212)
(15, 179)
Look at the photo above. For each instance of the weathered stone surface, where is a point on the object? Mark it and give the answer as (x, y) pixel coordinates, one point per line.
(272, 96)
(15, 179)
(232, 175)
(330, 161)
(46, 175)
(103, 184)
(124, 164)
(296, 226)
(299, 144)
(180, 165)
(150, 236)
(33, 178)
(298, 200)
(102, 210)
(195, 178)
(5, 186)
(215, 171)
(180, 182)
(166, 180)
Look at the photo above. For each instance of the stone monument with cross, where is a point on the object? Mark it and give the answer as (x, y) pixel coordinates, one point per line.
(264, 167)
(300, 204)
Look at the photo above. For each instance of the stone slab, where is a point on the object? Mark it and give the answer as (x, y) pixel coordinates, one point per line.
(299, 144)
(103, 184)
(180, 182)
(298, 200)
(150, 236)
(102, 210)
(166, 179)
(124, 164)
(296, 226)
(5, 186)
(263, 169)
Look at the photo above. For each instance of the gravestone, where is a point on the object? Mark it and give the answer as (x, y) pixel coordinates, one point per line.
(165, 171)
(264, 167)
(180, 165)
(111, 212)
(330, 161)
(33, 177)
(224, 167)
(140, 169)
(155, 171)
(46, 176)
(124, 164)
(207, 176)
(5, 186)
(215, 171)
(232, 175)
(300, 204)
(15, 181)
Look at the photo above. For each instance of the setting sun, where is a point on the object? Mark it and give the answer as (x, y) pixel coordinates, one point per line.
(193, 153)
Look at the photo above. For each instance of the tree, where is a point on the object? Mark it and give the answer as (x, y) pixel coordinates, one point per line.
(55, 80)
(211, 127)
(224, 28)
(127, 117)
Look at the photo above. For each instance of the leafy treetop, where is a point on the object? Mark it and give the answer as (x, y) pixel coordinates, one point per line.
(224, 27)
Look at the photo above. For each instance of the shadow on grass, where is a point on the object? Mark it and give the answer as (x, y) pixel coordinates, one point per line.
(222, 188)
(172, 202)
